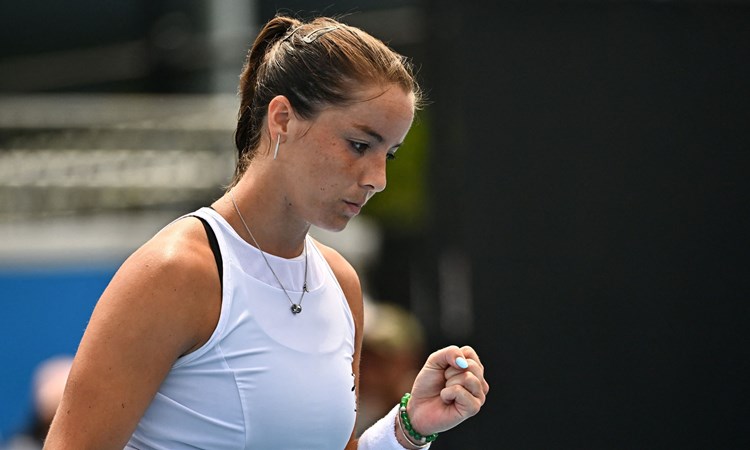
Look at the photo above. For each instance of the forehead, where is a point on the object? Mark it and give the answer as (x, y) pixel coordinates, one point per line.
(383, 106)
(388, 92)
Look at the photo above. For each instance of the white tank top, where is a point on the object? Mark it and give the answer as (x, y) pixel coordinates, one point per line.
(266, 378)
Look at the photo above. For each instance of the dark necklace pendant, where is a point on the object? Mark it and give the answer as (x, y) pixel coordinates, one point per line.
(296, 309)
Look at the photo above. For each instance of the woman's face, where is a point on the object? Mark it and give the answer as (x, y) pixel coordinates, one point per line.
(337, 160)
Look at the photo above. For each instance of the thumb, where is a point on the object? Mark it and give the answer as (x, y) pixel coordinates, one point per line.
(447, 357)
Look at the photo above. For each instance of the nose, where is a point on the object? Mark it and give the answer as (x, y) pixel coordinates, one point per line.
(373, 174)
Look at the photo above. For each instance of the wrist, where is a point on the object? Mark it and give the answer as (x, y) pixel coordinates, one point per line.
(384, 434)
(402, 436)
(407, 431)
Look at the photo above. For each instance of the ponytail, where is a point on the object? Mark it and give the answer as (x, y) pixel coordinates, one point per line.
(249, 121)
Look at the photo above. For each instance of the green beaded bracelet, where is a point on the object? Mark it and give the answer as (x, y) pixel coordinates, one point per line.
(407, 423)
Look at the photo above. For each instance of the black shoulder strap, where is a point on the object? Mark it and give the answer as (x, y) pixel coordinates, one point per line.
(214, 243)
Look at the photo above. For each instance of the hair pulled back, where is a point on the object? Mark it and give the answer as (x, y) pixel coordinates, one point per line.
(312, 64)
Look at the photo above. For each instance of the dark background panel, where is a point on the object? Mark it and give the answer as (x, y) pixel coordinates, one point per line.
(597, 157)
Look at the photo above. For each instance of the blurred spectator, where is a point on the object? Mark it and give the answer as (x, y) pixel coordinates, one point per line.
(392, 354)
(48, 385)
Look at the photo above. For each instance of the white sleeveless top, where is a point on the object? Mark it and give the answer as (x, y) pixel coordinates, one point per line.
(266, 378)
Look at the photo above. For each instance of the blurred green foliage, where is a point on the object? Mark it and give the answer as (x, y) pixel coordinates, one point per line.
(402, 206)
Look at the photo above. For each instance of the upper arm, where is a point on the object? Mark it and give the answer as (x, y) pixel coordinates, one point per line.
(350, 284)
(148, 316)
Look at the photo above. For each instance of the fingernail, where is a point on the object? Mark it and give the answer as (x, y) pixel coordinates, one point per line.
(460, 362)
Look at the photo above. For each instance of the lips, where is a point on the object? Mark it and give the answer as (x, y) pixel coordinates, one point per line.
(353, 207)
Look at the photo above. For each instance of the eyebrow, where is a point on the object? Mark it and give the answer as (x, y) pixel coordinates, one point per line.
(374, 134)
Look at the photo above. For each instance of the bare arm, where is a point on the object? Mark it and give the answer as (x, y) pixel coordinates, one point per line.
(162, 303)
(444, 394)
(349, 281)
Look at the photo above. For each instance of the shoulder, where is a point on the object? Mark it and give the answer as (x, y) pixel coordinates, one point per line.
(182, 245)
(170, 280)
(178, 260)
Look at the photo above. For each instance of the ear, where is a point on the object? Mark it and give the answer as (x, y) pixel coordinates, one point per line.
(279, 113)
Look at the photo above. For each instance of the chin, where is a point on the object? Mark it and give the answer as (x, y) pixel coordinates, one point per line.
(334, 226)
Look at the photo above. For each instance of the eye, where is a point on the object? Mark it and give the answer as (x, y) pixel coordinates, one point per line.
(359, 147)
(390, 156)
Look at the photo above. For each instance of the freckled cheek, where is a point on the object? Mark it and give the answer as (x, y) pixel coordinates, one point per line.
(327, 170)
(326, 188)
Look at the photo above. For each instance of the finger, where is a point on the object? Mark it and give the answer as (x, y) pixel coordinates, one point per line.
(473, 367)
(466, 404)
(469, 382)
(470, 353)
(474, 361)
(447, 357)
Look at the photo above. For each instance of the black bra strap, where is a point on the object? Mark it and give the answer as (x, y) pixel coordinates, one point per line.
(214, 243)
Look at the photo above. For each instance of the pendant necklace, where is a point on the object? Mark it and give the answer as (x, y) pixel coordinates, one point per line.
(296, 307)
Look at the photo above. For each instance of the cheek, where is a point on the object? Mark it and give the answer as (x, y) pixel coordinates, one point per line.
(322, 176)
(330, 166)
(327, 164)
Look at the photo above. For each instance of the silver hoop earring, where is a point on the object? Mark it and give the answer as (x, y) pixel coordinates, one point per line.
(276, 150)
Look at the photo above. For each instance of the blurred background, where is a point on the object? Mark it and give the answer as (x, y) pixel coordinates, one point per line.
(573, 202)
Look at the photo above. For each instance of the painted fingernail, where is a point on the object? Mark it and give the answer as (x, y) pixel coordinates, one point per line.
(460, 362)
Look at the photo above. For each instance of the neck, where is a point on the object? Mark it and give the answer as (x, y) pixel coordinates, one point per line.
(274, 230)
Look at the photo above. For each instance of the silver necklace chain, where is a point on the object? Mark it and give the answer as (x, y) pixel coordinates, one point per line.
(296, 307)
